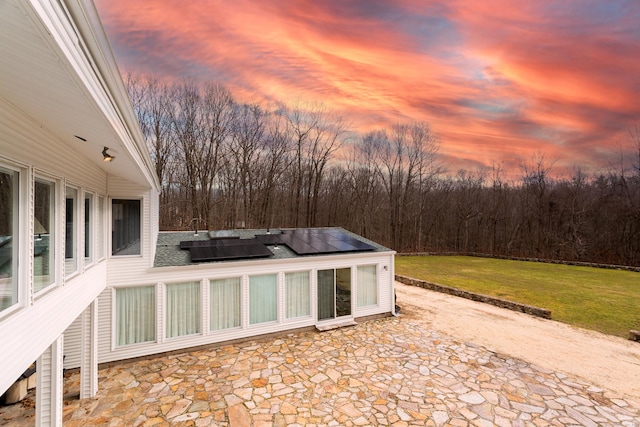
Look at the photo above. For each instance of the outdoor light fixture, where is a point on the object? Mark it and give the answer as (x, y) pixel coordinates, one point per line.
(106, 157)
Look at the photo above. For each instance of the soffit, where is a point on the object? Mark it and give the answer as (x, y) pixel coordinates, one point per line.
(38, 77)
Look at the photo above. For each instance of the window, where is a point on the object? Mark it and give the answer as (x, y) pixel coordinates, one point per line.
(88, 228)
(263, 298)
(224, 303)
(183, 309)
(367, 286)
(70, 214)
(334, 293)
(44, 202)
(135, 315)
(9, 217)
(100, 227)
(125, 227)
(297, 294)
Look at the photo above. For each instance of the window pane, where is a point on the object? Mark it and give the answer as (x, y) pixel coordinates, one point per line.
(71, 264)
(367, 286)
(88, 228)
(326, 294)
(100, 227)
(343, 292)
(183, 309)
(135, 315)
(125, 227)
(44, 238)
(263, 298)
(297, 292)
(9, 216)
(225, 303)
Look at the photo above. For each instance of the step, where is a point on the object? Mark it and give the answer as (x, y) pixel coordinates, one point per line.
(330, 326)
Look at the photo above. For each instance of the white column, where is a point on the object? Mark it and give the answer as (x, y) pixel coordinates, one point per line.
(89, 352)
(49, 388)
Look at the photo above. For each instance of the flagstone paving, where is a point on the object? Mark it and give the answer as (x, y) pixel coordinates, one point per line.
(389, 372)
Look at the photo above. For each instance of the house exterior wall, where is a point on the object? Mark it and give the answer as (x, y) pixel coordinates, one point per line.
(120, 267)
(43, 316)
(158, 277)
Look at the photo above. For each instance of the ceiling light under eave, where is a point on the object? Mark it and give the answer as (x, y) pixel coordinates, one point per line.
(106, 157)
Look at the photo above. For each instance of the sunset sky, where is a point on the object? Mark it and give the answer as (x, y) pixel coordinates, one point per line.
(500, 81)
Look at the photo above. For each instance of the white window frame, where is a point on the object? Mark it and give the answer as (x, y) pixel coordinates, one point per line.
(165, 319)
(91, 259)
(209, 309)
(101, 250)
(77, 229)
(24, 251)
(377, 286)
(142, 224)
(56, 243)
(277, 300)
(286, 295)
(114, 317)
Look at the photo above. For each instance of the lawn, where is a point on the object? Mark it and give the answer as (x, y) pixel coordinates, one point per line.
(603, 300)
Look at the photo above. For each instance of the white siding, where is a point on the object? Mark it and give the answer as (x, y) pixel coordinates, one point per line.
(72, 343)
(104, 324)
(89, 359)
(49, 387)
(154, 224)
(24, 140)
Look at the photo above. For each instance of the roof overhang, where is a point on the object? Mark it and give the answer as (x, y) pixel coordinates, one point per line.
(57, 67)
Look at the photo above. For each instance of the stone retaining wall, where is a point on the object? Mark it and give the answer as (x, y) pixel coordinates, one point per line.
(523, 308)
(514, 258)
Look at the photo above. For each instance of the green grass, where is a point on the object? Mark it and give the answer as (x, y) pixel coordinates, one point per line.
(603, 300)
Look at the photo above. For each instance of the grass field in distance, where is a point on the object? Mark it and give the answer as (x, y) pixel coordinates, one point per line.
(600, 299)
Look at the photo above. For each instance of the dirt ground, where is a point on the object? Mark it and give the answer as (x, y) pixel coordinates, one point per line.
(608, 362)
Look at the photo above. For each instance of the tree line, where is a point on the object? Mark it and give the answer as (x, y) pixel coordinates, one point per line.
(227, 164)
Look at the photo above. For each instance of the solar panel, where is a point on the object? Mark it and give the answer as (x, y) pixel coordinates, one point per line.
(269, 239)
(322, 241)
(342, 246)
(186, 244)
(218, 253)
(227, 241)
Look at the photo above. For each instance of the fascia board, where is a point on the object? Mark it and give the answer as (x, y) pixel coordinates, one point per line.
(79, 40)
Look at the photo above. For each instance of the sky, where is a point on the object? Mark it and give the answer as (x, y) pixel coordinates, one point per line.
(501, 82)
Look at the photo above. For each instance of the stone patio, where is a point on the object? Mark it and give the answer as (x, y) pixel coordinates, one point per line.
(391, 371)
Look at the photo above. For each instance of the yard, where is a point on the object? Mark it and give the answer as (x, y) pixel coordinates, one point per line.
(600, 299)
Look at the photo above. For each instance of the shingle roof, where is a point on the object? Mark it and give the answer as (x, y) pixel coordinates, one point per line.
(169, 254)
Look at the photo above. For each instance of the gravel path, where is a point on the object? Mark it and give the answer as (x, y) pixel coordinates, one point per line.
(609, 362)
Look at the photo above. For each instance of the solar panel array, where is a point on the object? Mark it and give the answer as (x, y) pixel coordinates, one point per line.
(300, 241)
(322, 241)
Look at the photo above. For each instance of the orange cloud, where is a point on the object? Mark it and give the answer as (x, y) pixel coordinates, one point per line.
(498, 80)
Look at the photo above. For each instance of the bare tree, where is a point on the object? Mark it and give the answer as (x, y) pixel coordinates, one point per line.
(271, 169)
(152, 101)
(316, 134)
(245, 149)
(403, 159)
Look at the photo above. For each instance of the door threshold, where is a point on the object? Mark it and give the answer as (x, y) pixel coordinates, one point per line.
(336, 325)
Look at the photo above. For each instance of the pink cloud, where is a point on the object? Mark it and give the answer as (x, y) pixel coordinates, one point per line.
(498, 80)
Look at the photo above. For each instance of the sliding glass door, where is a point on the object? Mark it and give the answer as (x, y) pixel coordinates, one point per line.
(334, 293)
